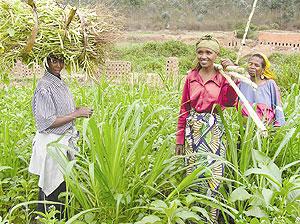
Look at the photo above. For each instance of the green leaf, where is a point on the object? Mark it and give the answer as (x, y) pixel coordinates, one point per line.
(89, 217)
(187, 181)
(271, 172)
(5, 168)
(149, 219)
(185, 215)
(159, 204)
(286, 139)
(260, 157)
(256, 212)
(254, 221)
(78, 222)
(189, 199)
(75, 217)
(202, 211)
(1, 48)
(265, 220)
(294, 195)
(11, 32)
(267, 194)
(289, 165)
(239, 194)
(179, 220)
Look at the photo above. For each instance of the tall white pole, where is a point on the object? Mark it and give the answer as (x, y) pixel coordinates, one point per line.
(246, 31)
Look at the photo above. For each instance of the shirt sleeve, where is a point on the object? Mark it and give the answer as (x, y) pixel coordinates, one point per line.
(228, 96)
(44, 110)
(277, 105)
(183, 114)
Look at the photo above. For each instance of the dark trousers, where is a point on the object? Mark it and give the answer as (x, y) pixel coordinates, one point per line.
(52, 197)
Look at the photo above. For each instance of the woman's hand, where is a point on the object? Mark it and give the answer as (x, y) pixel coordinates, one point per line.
(179, 150)
(79, 112)
(83, 112)
(226, 62)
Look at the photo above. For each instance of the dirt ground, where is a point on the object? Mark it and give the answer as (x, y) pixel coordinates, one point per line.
(268, 42)
(189, 37)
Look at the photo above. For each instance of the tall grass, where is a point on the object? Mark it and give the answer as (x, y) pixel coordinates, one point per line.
(16, 133)
(263, 179)
(287, 70)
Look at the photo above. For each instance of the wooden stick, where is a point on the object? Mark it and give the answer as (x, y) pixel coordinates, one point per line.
(246, 32)
(70, 17)
(236, 71)
(249, 108)
(243, 78)
(32, 38)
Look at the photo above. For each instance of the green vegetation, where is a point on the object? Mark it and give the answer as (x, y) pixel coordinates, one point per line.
(151, 56)
(252, 32)
(126, 171)
(30, 32)
(287, 70)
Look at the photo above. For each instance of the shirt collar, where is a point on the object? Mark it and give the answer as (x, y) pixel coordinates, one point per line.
(217, 78)
(53, 78)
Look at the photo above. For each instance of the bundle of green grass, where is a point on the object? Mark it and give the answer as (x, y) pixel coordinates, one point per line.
(30, 31)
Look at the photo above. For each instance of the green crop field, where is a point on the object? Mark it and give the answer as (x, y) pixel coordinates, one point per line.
(127, 171)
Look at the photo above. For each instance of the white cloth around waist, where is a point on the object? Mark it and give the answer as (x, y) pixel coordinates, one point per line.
(42, 164)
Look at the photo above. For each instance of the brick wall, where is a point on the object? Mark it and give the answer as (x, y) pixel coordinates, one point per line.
(277, 39)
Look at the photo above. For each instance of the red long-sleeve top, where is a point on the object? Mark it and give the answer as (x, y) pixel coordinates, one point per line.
(202, 96)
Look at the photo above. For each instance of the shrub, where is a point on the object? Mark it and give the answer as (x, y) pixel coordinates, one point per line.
(252, 32)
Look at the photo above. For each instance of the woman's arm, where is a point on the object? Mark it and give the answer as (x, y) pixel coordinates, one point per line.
(184, 112)
(227, 62)
(228, 97)
(79, 112)
(276, 104)
(44, 112)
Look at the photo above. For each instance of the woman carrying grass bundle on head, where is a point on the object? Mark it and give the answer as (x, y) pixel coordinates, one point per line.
(54, 111)
(200, 130)
(267, 95)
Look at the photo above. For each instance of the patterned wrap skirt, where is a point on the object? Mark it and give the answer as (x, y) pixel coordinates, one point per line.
(203, 134)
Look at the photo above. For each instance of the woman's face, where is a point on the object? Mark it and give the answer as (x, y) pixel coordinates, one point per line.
(206, 57)
(56, 65)
(255, 66)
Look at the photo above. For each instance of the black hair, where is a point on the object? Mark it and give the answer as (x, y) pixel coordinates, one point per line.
(55, 56)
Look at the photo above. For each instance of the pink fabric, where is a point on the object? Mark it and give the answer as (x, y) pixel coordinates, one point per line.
(264, 113)
(202, 96)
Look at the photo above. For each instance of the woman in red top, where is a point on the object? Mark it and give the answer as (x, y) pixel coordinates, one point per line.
(200, 130)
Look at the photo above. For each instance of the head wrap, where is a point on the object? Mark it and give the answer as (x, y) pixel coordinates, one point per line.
(208, 41)
(267, 71)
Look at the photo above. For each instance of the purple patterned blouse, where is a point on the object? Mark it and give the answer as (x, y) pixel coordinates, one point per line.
(267, 100)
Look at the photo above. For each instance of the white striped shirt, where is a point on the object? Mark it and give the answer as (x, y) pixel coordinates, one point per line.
(52, 98)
